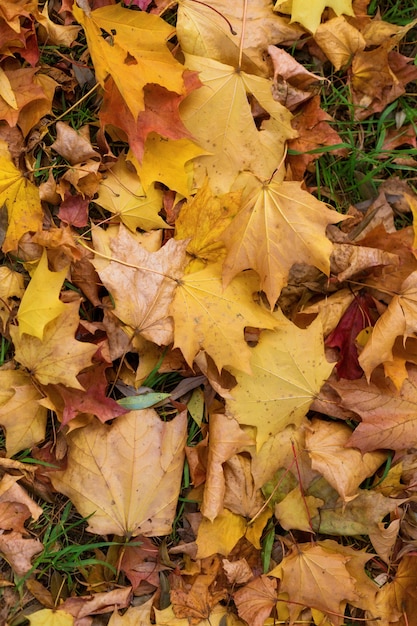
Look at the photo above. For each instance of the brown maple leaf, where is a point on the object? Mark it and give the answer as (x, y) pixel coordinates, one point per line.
(256, 600)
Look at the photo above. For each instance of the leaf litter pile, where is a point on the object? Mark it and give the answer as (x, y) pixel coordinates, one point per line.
(208, 313)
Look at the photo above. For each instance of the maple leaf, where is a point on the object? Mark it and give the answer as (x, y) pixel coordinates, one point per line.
(29, 97)
(40, 303)
(309, 571)
(397, 599)
(202, 220)
(18, 551)
(220, 535)
(169, 161)
(388, 417)
(217, 616)
(278, 225)
(218, 317)
(339, 40)
(398, 320)
(21, 199)
(235, 144)
(135, 615)
(93, 400)
(20, 412)
(205, 31)
(256, 600)
(361, 516)
(142, 284)
(122, 194)
(310, 15)
(226, 440)
(134, 473)
(356, 317)
(133, 52)
(161, 114)
(344, 468)
(289, 368)
(74, 146)
(58, 358)
(312, 124)
(50, 617)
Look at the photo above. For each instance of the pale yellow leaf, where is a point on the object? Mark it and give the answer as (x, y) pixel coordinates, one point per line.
(127, 476)
(40, 303)
(121, 193)
(289, 368)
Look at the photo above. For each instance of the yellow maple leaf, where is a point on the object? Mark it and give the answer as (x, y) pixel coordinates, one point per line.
(279, 224)
(289, 368)
(133, 51)
(49, 617)
(217, 316)
(126, 476)
(169, 161)
(23, 418)
(58, 358)
(220, 535)
(234, 143)
(202, 220)
(309, 571)
(40, 303)
(308, 14)
(21, 198)
(122, 194)
(204, 30)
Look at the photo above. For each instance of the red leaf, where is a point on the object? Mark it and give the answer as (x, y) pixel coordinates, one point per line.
(357, 317)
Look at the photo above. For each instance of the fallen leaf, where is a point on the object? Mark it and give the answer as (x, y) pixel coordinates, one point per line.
(167, 617)
(398, 598)
(40, 303)
(310, 16)
(343, 467)
(296, 510)
(93, 400)
(142, 284)
(356, 317)
(168, 161)
(289, 368)
(220, 535)
(278, 225)
(59, 357)
(204, 31)
(226, 439)
(134, 473)
(50, 617)
(133, 52)
(121, 193)
(218, 317)
(161, 114)
(21, 415)
(74, 146)
(255, 601)
(397, 321)
(19, 551)
(360, 516)
(202, 220)
(236, 145)
(388, 417)
(134, 616)
(340, 41)
(314, 130)
(308, 572)
(21, 199)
